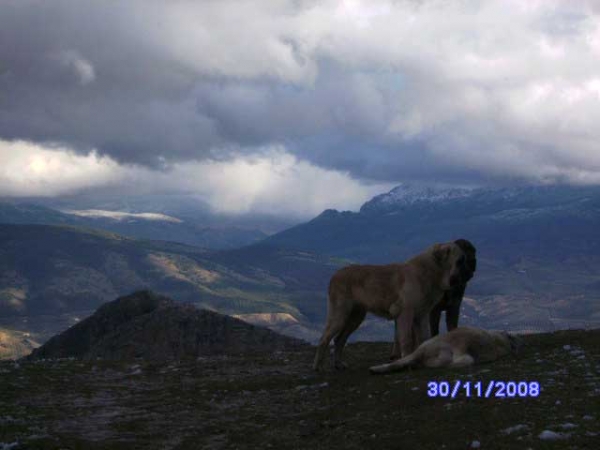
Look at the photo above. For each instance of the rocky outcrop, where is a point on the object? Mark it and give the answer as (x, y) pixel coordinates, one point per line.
(153, 327)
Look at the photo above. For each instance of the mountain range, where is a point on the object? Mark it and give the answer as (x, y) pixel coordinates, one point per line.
(538, 262)
(137, 224)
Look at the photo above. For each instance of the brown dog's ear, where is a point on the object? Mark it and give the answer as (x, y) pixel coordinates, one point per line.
(440, 253)
(466, 246)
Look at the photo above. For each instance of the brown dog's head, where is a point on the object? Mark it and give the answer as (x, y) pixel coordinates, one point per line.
(470, 264)
(451, 258)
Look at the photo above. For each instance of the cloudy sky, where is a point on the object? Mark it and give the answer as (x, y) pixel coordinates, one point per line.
(291, 107)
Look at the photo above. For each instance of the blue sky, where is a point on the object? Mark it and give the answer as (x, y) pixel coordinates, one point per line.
(296, 106)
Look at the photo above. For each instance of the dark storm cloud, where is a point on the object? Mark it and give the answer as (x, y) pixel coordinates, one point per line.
(382, 90)
(135, 107)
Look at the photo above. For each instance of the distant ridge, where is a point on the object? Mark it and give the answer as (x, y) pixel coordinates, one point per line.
(152, 225)
(153, 327)
(406, 194)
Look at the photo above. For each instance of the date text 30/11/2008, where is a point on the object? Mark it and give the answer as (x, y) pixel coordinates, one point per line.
(483, 389)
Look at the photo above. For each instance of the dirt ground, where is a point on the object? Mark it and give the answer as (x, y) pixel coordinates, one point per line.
(257, 401)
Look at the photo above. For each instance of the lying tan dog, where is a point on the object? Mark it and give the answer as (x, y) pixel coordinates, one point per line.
(451, 300)
(405, 292)
(460, 347)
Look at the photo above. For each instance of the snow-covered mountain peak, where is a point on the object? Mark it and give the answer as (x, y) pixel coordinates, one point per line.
(409, 194)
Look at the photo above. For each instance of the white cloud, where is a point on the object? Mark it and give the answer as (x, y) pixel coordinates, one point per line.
(275, 182)
(269, 181)
(27, 169)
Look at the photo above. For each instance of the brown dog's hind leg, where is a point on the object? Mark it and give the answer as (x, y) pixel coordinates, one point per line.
(336, 321)
(396, 353)
(356, 317)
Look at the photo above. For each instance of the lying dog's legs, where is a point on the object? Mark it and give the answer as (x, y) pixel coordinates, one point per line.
(356, 317)
(462, 360)
(441, 358)
(411, 360)
(427, 355)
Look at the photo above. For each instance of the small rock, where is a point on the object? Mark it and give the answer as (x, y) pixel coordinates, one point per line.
(515, 428)
(475, 444)
(8, 446)
(548, 435)
(566, 347)
(588, 417)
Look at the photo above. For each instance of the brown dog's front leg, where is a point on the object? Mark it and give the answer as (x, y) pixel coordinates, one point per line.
(434, 319)
(423, 332)
(405, 332)
(452, 315)
(396, 351)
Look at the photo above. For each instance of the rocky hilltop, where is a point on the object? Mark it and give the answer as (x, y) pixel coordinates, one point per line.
(153, 327)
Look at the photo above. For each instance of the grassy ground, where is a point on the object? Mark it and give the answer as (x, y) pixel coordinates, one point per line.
(276, 401)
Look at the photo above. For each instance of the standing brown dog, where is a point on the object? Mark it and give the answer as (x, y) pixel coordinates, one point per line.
(451, 300)
(405, 292)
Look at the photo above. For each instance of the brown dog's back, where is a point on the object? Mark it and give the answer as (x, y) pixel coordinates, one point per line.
(370, 287)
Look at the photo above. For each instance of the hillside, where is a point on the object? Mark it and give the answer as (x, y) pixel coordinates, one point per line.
(274, 400)
(47, 269)
(51, 277)
(153, 327)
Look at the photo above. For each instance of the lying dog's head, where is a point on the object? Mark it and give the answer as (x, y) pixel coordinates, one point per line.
(451, 258)
(470, 263)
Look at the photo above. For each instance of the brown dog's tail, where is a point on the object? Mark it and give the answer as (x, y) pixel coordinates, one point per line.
(400, 364)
